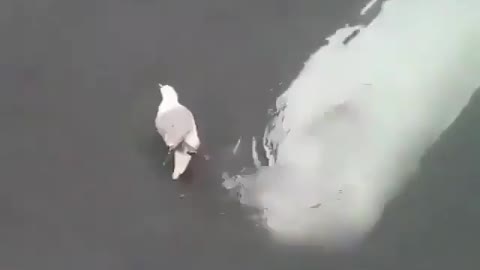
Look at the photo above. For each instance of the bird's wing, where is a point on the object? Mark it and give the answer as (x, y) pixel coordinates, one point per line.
(174, 125)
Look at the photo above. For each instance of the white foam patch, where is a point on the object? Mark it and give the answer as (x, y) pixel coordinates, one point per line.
(368, 6)
(235, 148)
(359, 117)
(255, 158)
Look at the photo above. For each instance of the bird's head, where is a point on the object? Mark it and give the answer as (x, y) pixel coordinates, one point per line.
(168, 93)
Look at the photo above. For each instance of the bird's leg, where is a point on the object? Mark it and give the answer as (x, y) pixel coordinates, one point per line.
(171, 149)
(167, 158)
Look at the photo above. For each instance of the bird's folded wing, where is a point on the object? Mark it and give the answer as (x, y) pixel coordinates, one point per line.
(174, 125)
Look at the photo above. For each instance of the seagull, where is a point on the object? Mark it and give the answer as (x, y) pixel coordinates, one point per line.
(176, 125)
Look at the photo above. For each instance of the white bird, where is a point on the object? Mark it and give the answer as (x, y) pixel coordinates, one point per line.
(176, 124)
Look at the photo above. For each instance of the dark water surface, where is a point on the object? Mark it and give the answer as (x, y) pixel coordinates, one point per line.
(81, 181)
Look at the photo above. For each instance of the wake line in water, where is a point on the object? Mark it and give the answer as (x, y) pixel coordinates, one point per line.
(358, 118)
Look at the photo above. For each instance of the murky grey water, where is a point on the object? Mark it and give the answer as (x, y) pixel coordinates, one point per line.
(82, 186)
